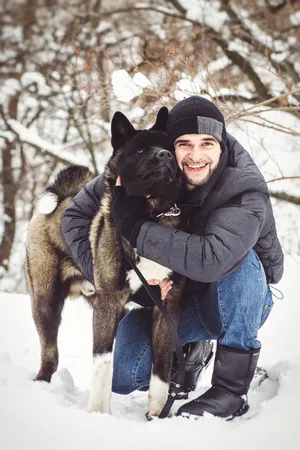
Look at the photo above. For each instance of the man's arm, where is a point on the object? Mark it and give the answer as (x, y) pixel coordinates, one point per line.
(76, 223)
(229, 235)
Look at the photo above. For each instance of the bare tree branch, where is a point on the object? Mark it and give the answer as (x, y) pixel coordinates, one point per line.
(284, 178)
(286, 197)
(274, 127)
(265, 102)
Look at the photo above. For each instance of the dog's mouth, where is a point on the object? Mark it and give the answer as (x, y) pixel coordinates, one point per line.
(162, 172)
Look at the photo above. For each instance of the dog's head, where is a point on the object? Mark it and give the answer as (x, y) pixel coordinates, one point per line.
(144, 159)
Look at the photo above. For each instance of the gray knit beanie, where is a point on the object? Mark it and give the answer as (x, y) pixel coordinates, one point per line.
(196, 115)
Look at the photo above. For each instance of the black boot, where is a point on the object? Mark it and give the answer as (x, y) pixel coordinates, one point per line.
(233, 372)
(197, 357)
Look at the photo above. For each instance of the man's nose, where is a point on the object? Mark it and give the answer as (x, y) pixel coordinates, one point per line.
(196, 152)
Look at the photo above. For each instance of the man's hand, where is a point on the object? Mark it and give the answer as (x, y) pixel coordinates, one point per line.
(165, 286)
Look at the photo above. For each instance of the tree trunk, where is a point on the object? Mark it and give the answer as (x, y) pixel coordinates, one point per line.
(9, 193)
(9, 198)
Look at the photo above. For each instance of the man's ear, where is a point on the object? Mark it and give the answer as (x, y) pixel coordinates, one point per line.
(121, 130)
(161, 120)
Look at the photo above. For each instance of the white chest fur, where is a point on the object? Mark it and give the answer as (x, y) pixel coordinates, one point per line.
(150, 270)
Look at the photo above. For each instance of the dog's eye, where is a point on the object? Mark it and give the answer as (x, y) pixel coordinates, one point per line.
(141, 150)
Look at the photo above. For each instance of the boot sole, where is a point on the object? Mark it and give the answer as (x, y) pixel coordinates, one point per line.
(240, 412)
(243, 409)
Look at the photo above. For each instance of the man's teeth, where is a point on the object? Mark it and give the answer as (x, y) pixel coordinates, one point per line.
(199, 166)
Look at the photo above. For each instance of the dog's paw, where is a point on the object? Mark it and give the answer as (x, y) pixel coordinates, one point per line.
(158, 394)
(150, 415)
(43, 375)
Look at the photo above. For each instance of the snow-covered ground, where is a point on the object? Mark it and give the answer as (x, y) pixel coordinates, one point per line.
(53, 416)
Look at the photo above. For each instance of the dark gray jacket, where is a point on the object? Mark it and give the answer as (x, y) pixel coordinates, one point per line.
(225, 221)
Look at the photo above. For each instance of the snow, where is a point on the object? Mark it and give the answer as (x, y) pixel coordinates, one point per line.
(126, 88)
(240, 47)
(295, 18)
(8, 135)
(141, 80)
(10, 86)
(218, 64)
(66, 88)
(123, 87)
(187, 86)
(56, 75)
(159, 31)
(103, 26)
(206, 12)
(29, 78)
(35, 414)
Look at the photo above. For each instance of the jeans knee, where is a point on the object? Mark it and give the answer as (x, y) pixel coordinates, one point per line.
(122, 382)
(132, 358)
(131, 374)
(241, 299)
(119, 385)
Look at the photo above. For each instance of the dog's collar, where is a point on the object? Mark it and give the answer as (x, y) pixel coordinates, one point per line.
(173, 211)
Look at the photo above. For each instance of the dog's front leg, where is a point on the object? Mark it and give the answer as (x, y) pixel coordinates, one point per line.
(162, 353)
(106, 316)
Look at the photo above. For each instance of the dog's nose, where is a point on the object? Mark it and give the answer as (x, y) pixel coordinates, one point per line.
(164, 154)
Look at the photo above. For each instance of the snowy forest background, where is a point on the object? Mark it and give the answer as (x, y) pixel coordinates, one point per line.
(67, 66)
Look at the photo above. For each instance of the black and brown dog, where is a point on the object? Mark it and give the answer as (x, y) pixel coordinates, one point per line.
(146, 163)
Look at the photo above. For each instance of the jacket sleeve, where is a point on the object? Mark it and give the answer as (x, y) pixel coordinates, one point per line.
(230, 233)
(76, 223)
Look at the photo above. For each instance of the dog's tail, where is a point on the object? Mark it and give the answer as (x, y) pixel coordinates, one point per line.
(67, 183)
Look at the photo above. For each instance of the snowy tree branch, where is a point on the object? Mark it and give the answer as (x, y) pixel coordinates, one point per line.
(27, 136)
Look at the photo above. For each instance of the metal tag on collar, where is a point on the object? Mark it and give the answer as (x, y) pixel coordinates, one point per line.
(174, 211)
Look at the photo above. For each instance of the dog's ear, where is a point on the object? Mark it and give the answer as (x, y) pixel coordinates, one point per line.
(161, 120)
(121, 130)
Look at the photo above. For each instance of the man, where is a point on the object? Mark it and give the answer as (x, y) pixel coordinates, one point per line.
(229, 252)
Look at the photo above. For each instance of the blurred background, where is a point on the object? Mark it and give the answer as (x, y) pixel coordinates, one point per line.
(67, 66)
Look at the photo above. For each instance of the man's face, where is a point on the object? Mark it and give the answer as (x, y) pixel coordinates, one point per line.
(197, 156)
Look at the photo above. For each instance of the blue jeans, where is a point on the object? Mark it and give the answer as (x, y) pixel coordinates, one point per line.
(230, 310)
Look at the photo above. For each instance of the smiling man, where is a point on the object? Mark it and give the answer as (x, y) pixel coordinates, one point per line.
(198, 157)
(228, 251)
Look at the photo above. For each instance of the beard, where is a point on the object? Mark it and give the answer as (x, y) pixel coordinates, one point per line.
(192, 182)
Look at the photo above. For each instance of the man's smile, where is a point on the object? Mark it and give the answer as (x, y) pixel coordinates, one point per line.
(196, 168)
